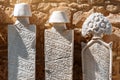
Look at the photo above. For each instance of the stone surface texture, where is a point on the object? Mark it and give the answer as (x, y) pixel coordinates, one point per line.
(96, 62)
(96, 54)
(58, 54)
(96, 24)
(40, 13)
(21, 52)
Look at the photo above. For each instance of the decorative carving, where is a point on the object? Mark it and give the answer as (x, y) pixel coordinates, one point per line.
(21, 52)
(58, 48)
(96, 55)
(96, 24)
(58, 54)
(21, 48)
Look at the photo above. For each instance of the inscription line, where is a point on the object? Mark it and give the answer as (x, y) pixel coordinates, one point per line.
(26, 61)
(28, 72)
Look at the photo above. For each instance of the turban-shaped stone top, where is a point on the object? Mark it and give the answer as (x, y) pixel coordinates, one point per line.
(22, 10)
(96, 23)
(58, 17)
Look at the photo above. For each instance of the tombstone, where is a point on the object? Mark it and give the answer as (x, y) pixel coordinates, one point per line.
(21, 45)
(58, 48)
(96, 54)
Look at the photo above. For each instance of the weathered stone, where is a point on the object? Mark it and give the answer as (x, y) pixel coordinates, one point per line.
(59, 52)
(79, 17)
(12, 2)
(3, 1)
(2, 16)
(54, 5)
(36, 1)
(63, 4)
(58, 0)
(33, 7)
(96, 61)
(5, 16)
(74, 5)
(39, 18)
(8, 15)
(22, 1)
(114, 19)
(84, 7)
(44, 7)
(95, 1)
(2, 7)
(3, 37)
(59, 69)
(96, 54)
(113, 8)
(116, 0)
(107, 1)
(101, 9)
(58, 59)
(21, 52)
(97, 25)
(82, 1)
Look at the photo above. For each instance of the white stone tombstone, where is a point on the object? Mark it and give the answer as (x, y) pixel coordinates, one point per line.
(21, 45)
(96, 54)
(58, 48)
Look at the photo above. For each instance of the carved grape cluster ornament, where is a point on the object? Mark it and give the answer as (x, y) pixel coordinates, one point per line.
(96, 24)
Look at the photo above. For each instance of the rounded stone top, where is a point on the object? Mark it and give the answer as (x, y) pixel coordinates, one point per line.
(22, 10)
(58, 17)
(96, 24)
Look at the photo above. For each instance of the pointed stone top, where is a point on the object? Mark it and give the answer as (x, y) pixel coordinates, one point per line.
(96, 24)
(22, 10)
(58, 17)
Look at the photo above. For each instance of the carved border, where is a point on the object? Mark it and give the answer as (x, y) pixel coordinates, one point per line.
(109, 46)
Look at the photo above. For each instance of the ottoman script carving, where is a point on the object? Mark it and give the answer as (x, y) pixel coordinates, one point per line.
(96, 55)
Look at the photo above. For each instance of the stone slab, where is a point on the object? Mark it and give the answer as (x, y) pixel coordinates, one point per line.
(97, 61)
(58, 54)
(21, 52)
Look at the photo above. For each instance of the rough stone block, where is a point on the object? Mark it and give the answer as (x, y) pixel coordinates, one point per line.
(58, 0)
(114, 19)
(96, 1)
(25, 1)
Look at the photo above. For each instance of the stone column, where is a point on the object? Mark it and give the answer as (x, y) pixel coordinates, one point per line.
(97, 54)
(21, 45)
(58, 48)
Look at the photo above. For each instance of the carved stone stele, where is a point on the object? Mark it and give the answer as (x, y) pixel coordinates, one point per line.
(21, 48)
(96, 54)
(58, 49)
